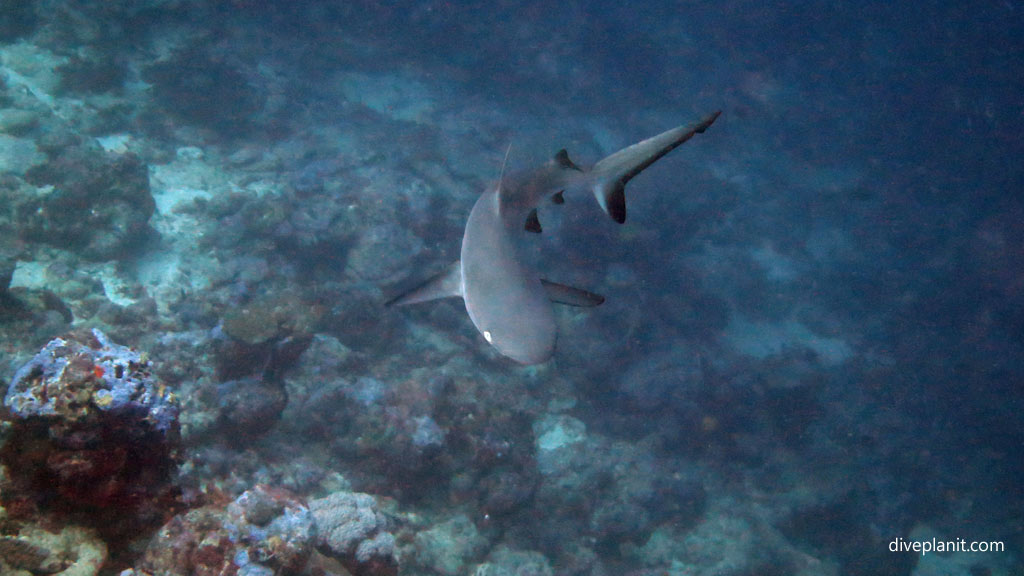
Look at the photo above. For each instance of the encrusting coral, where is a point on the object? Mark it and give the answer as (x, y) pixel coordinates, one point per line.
(93, 438)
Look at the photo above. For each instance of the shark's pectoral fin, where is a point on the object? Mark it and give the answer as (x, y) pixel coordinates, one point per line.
(447, 284)
(562, 294)
(533, 223)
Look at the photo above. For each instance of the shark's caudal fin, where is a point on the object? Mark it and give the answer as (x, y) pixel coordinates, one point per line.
(608, 177)
(447, 284)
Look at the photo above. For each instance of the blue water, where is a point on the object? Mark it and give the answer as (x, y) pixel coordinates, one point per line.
(813, 338)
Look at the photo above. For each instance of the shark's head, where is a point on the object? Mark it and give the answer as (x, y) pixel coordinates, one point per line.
(528, 338)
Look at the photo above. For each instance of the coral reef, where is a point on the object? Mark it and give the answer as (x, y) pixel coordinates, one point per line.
(19, 554)
(93, 437)
(248, 407)
(265, 338)
(18, 155)
(84, 374)
(733, 539)
(351, 528)
(96, 203)
(196, 87)
(16, 19)
(811, 344)
(265, 531)
(93, 76)
(270, 532)
(32, 549)
(505, 561)
(271, 317)
(448, 547)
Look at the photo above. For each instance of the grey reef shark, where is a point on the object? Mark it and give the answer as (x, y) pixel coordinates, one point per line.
(507, 300)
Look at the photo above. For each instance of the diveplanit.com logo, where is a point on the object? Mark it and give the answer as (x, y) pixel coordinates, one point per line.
(923, 547)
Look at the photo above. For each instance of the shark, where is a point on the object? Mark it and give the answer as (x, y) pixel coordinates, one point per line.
(507, 300)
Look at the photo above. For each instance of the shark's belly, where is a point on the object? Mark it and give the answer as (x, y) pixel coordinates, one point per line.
(504, 298)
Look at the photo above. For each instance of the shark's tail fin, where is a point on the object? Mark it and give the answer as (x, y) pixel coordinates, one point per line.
(608, 177)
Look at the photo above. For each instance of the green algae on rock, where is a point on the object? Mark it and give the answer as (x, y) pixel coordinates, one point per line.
(74, 551)
(267, 318)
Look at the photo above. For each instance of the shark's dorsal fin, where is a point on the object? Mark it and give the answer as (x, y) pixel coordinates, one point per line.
(562, 159)
(533, 223)
(446, 284)
(562, 294)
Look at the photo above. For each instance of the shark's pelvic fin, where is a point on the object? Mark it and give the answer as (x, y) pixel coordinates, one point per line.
(562, 294)
(447, 284)
(610, 175)
(558, 197)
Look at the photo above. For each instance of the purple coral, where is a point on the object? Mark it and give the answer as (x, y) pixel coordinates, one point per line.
(93, 436)
(70, 377)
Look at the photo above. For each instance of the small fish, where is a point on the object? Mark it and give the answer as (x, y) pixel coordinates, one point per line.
(508, 302)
